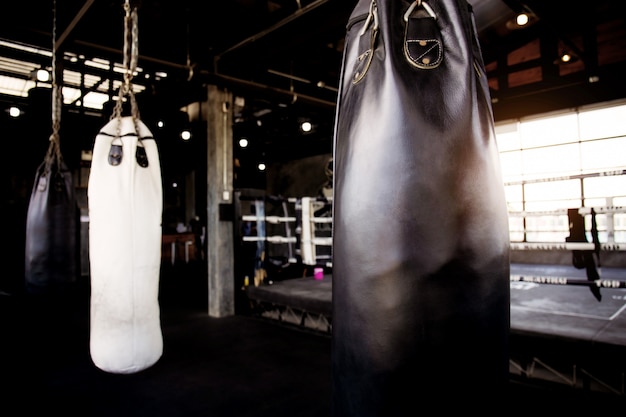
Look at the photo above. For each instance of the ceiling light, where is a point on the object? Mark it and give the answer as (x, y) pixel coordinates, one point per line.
(243, 143)
(14, 111)
(41, 75)
(306, 126)
(261, 166)
(567, 57)
(185, 135)
(521, 20)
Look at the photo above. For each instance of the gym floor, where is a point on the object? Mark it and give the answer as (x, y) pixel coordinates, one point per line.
(235, 366)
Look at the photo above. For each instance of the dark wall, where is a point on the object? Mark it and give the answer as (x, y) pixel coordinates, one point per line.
(299, 178)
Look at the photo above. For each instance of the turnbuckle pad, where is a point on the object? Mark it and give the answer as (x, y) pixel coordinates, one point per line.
(423, 44)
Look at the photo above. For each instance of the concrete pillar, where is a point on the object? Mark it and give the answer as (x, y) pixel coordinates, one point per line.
(220, 256)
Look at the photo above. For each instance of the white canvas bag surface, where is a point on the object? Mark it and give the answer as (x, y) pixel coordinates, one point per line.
(125, 214)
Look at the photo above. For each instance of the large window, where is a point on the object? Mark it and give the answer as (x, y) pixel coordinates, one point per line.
(570, 160)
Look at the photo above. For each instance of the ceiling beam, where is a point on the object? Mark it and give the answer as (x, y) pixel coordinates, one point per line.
(72, 25)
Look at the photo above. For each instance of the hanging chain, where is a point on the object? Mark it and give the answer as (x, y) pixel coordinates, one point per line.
(57, 99)
(131, 43)
(130, 58)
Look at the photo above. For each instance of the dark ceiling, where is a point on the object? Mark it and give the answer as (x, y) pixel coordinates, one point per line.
(283, 56)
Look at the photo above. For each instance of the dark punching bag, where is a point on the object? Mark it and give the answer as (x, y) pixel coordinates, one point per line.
(52, 228)
(420, 239)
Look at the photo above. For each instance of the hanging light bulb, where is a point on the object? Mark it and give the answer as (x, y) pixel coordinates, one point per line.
(567, 57)
(41, 75)
(306, 126)
(14, 111)
(521, 20)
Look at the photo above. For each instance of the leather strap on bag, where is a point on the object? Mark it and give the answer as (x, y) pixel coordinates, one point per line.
(367, 43)
(423, 45)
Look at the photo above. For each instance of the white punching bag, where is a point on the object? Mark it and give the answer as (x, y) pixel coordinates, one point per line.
(125, 213)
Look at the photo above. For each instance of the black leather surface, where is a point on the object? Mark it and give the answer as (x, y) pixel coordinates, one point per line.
(52, 259)
(420, 236)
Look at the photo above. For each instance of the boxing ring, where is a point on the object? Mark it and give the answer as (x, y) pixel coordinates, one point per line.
(559, 331)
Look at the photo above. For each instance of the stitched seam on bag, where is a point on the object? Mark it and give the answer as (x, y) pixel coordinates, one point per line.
(125, 135)
(435, 45)
(363, 64)
(111, 135)
(356, 20)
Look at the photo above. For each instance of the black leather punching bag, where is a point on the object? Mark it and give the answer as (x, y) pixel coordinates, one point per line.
(52, 228)
(420, 237)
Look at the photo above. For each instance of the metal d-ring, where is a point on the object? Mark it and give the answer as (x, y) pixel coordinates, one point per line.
(373, 14)
(419, 3)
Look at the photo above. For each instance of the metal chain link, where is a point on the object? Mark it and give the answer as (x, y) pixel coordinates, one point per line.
(57, 99)
(130, 59)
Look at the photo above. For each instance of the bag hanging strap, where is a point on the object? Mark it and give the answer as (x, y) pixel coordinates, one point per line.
(366, 44)
(130, 58)
(422, 46)
(423, 43)
(53, 155)
(131, 54)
